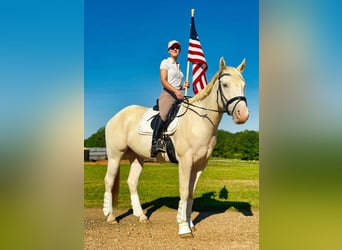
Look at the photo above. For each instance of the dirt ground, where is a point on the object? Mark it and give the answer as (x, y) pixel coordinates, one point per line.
(224, 230)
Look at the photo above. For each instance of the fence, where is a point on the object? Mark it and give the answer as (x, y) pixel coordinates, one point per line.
(95, 154)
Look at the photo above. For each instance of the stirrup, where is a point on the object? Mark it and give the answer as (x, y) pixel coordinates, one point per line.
(161, 146)
(158, 146)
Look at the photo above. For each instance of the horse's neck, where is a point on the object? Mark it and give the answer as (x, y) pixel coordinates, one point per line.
(210, 103)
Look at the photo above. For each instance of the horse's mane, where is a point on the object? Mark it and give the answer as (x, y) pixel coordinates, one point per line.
(206, 91)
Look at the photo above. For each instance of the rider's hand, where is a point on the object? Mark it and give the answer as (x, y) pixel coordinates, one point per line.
(185, 85)
(179, 94)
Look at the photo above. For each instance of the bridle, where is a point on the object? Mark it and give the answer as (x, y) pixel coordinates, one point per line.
(225, 101)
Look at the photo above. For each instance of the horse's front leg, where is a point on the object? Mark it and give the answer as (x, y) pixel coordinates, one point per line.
(132, 181)
(195, 174)
(184, 180)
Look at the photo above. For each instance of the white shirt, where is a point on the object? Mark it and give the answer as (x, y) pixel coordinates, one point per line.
(174, 74)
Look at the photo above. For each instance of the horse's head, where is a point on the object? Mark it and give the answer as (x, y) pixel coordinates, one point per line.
(231, 87)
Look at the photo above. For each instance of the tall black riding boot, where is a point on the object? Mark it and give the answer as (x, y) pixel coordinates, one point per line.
(157, 143)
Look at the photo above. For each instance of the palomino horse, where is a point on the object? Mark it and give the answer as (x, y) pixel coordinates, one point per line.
(202, 113)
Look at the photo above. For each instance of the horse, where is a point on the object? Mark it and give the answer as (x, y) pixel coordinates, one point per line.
(202, 113)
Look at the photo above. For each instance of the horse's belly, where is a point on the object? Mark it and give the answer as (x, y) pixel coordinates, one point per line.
(140, 144)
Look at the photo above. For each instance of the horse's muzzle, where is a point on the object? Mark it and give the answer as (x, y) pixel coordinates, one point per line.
(241, 113)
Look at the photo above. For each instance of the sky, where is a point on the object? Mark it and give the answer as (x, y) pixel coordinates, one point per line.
(124, 45)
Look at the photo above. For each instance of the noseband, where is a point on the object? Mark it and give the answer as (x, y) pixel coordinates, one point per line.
(225, 101)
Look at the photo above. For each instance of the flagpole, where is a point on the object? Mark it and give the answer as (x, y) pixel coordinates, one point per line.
(188, 63)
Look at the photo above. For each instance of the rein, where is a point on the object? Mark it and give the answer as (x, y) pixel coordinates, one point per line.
(225, 101)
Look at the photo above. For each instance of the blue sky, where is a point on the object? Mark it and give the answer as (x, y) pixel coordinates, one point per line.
(124, 46)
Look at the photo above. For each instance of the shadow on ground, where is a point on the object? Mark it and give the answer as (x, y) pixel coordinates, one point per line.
(206, 205)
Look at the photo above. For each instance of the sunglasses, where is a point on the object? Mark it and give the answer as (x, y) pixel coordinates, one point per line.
(176, 46)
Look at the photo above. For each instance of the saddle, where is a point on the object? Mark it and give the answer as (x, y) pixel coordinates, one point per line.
(147, 123)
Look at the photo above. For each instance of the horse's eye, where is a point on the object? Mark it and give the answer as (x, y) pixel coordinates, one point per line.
(225, 85)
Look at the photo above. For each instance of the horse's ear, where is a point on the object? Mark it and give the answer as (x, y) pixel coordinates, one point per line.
(222, 63)
(242, 65)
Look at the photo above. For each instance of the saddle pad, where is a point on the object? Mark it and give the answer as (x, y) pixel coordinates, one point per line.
(144, 126)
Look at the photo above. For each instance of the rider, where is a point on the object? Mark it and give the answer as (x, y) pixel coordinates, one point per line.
(171, 78)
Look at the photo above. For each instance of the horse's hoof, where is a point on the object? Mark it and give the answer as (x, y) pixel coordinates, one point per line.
(186, 236)
(111, 219)
(184, 231)
(143, 219)
(193, 229)
(113, 222)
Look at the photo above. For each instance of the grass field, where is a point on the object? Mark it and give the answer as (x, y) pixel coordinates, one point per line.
(224, 183)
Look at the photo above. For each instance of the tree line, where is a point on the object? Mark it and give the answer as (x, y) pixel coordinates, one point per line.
(241, 145)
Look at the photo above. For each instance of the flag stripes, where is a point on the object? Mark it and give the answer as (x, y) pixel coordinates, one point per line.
(196, 57)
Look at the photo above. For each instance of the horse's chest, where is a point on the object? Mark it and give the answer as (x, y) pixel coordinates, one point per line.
(205, 148)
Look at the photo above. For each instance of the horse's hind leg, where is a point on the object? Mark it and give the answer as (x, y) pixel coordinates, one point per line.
(133, 181)
(111, 180)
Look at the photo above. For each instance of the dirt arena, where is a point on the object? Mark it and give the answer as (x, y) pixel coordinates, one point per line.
(230, 229)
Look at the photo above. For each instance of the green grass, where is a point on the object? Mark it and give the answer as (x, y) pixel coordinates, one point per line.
(223, 184)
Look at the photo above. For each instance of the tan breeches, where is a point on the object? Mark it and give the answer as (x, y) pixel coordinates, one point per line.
(165, 103)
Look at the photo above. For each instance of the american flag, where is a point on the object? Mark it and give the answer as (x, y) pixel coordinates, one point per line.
(196, 57)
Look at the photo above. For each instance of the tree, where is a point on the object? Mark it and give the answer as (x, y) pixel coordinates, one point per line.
(242, 145)
(249, 145)
(97, 139)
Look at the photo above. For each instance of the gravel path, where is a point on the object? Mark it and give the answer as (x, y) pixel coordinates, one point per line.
(225, 230)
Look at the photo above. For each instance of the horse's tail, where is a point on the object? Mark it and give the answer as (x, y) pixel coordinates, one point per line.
(115, 189)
